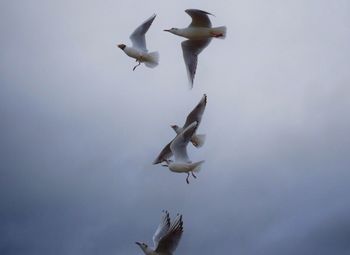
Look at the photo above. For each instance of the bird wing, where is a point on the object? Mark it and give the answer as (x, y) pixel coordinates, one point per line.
(138, 36)
(191, 50)
(164, 154)
(168, 243)
(180, 142)
(199, 18)
(162, 229)
(197, 113)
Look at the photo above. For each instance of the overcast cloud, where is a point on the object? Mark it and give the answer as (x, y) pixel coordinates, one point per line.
(79, 130)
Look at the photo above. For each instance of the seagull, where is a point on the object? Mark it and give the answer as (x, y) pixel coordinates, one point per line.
(197, 139)
(139, 50)
(195, 115)
(199, 34)
(166, 237)
(178, 147)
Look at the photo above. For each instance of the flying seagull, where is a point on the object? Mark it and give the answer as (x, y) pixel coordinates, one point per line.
(199, 32)
(178, 147)
(197, 139)
(139, 50)
(195, 115)
(166, 237)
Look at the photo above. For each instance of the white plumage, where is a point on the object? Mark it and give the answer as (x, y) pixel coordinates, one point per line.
(197, 139)
(178, 147)
(166, 238)
(199, 34)
(139, 50)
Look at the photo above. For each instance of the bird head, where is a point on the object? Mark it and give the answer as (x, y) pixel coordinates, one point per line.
(172, 30)
(142, 245)
(175, 127)
(122, 46)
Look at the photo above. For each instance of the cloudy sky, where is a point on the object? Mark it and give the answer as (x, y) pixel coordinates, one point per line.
(79, 129)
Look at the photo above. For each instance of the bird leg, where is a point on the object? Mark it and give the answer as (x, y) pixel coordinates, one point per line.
(136, 65)
(194, 175)
(188, 175)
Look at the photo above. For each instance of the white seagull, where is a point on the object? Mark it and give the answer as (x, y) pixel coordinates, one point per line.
(197, 139)
(199, 32)
(195, 115)
(139, 50)
(178, 147)
(166, 237)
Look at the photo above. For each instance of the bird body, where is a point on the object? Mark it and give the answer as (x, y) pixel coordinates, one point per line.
(199, 33)
(134, 52)
(185, 167)
(150, 59)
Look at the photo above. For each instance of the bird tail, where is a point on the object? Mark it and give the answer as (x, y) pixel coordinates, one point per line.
(220, 32)
(152, 59)
(198, 140)
(196, 166)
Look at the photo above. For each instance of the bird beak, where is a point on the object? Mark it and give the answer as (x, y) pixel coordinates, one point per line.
(166, 30)
(138, 243)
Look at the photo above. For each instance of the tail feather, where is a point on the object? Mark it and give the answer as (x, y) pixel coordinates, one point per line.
(220, 32)
(198, 140)
(152, 59)
(196, 166)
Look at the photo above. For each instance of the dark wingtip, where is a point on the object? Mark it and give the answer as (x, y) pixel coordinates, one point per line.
(157, 161)
(153, 16)
(197, 10)
(190, 83)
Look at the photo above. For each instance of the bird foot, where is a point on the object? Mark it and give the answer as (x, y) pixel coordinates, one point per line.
(136, 66)
(188, 175)
(194, 175)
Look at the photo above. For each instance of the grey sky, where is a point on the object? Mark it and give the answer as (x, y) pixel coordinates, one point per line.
(79, 130)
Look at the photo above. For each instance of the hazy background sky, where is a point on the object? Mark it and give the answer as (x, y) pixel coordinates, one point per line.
(79, 130)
